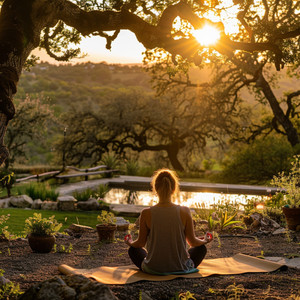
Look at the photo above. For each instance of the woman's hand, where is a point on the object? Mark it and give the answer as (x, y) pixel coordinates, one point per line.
(128, 239)
(208, 237)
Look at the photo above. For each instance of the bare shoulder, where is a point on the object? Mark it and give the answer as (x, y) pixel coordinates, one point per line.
(185, 210)
(146, 211)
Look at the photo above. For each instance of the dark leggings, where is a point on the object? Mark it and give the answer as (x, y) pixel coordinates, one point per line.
(137, 255)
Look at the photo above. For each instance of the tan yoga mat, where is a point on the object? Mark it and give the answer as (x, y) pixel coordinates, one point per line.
(237, 264)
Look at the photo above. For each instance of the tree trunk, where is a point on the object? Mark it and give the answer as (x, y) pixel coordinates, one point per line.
(21, 24)
(172, 154)
(282, 119)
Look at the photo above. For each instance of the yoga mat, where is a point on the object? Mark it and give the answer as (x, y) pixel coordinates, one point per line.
(237, 264)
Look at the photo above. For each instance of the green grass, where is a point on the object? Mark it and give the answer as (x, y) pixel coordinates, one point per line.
(16, 222)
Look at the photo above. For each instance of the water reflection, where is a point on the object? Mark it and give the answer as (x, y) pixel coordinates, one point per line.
(190, 199)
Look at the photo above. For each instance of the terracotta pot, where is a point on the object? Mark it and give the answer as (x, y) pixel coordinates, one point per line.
(106, 232)
(41, 244)
(292, 216)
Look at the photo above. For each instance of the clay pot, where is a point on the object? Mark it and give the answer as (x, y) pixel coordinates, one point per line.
(106, 232)
(41, 244)
(292, 216)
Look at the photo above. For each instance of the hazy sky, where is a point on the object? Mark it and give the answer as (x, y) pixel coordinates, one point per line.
(125, 49)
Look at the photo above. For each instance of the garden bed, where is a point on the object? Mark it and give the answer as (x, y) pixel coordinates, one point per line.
(26, 268)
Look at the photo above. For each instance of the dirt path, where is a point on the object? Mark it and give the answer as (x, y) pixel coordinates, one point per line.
(23, 266)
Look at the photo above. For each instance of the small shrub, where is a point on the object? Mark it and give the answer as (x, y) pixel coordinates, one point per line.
(85, 195)
(10, 290)
(41, 191)
(106, 218)
(37, 225)
(132, 167)
(3, 229)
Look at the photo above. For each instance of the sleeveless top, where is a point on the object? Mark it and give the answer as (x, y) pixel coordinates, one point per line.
(166, 243)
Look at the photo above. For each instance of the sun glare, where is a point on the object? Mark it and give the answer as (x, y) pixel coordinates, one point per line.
(207, 35)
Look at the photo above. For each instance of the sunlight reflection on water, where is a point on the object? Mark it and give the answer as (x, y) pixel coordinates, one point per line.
(190, 199)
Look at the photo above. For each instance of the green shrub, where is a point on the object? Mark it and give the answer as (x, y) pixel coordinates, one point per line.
(9, 290)
(132, 167)
(257, 162)
(37, 225)
(85, 195)
(41, 191)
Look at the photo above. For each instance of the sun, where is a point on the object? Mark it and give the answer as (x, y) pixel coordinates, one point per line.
(207, 35)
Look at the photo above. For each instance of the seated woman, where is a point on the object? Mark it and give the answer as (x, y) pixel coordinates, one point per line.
(165, 228)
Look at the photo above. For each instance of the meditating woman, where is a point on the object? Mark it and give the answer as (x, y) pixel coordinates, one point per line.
(164, 229)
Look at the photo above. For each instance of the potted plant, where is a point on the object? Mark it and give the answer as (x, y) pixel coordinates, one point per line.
(106, 226)
(41, 232)
(289, 184)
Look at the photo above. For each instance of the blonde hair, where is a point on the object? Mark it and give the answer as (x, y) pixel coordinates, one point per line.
(165, 183)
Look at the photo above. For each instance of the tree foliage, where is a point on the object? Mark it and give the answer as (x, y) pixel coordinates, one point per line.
(268, 32)
(32, 121)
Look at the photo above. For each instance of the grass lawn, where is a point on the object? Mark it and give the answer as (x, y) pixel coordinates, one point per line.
(16, 222)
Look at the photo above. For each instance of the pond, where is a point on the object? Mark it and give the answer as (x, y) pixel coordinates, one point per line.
(190, 199)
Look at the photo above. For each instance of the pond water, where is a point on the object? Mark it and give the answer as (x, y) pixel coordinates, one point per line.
(190, 199)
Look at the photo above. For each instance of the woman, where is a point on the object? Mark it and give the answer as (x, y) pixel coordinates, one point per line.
(165, 228)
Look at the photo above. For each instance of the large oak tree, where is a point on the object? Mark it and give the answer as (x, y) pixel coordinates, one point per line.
(270, 27)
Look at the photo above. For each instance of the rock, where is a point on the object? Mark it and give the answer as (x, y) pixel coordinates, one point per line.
(122, 224)
(91, 204)
(21, 201)
(4, 203)
(89, 289)
(71, 288)
(37, 203)
(256, 216)
(203, 222)
(279, 231)
(3, 281)
(66, 203)
(49, 205)
(54, 288)
(75, 228)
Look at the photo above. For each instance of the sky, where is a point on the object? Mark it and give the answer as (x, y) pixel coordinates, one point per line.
(125, 50)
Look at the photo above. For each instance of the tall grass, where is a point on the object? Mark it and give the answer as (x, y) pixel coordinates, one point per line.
(85, 195)
(43, 191)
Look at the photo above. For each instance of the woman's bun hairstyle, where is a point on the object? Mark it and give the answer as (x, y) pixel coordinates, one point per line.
(164, 183)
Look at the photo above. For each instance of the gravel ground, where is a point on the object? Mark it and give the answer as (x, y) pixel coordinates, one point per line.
(26, 268)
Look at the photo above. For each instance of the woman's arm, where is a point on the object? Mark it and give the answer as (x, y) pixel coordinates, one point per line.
(140, 242)
(192, 240)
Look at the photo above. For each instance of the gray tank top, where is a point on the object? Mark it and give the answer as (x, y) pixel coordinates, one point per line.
(166, 243)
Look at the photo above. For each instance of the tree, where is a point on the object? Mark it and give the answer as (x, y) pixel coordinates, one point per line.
(31, 123)
(270, 28)
(132, 119)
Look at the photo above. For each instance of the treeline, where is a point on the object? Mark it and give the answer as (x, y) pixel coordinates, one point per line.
(88, 112)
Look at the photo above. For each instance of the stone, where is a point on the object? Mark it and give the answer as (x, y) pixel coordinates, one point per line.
(71, 288)
(49, 205)
(89, 289)
(21, 201)
(76, 228)
(66, 203)
(279, 231)
(91, 204)
(54, 288)
(122, 224)
(3, 281)
(37, 203)
(256, 216)
(4, 203)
